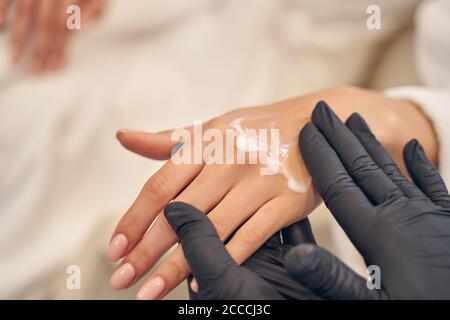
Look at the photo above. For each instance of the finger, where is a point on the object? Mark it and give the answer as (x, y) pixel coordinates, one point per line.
(59, 37)
(342, 196)
(22, 27)
(158, 146)
(175, 268)
(161, 188)
(204, 251)
(160, 237)
(425, 175)
(380, 156)
(236, 208)
(44, 29)
(92, 9)
(365, 173)
(297, 233)
(325, 275)
(260, 227)
(4, 5)
(57, 56)
(170, 273)
(226, 217)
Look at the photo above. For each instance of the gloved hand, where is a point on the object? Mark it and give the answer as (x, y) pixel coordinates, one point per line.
(261, 277)
(401, 227)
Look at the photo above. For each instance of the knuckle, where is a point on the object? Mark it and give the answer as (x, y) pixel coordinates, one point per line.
(173, 269)
(129, 225)
(220, 229)
(142, 259)
(389, 168)
(253, 236)
(360, 163)
(340, 184)
(363, 167)
(216, 123)
(156, 187)
(213, 123)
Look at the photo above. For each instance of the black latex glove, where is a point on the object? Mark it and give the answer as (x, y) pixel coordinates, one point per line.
(401, 227)
(219, 277)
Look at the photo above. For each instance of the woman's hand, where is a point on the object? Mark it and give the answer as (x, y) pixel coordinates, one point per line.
(238, 199)
(41, 25)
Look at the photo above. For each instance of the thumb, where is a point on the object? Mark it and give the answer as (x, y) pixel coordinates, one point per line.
(324, 274)
(211, 264)
(157, 146)
(424, 174)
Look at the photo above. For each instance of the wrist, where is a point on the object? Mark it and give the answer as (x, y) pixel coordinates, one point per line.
(393, 121)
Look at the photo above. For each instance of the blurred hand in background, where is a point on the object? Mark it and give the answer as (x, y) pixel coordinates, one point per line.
(40, 27)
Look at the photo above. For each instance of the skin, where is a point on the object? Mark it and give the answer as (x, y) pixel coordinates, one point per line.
(40, 26)
(237, 198)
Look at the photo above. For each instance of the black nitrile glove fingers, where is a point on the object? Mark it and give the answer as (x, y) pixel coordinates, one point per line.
(323, 273)
(342, 196)
(298, 233)
(366, 174)
(206, 254)
(425, 175)
(407, 237)
(380, 156)
(267, 262)
(218, 276)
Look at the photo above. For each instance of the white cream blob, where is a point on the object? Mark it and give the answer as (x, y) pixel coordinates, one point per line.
(275, 154)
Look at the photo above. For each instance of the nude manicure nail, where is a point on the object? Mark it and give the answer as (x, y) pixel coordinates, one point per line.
(117, 247)
(152, 289)
(194, 285)
(176, 148)
(123, 276)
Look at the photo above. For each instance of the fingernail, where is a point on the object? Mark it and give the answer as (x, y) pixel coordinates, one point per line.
(176, 148)
(123, 276)
(194, 285)
(117, 247)
(152, 289)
